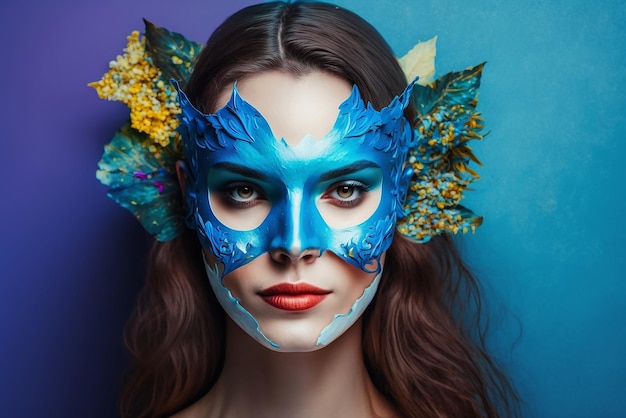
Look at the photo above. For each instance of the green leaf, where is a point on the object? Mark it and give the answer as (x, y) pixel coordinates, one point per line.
(171, 52)
(453, 88)
(143, 181)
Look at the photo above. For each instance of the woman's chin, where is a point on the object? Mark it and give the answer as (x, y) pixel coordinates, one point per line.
(294, 342)
(296, 348)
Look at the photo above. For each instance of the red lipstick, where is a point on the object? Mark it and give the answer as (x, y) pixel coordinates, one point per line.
(293, 296)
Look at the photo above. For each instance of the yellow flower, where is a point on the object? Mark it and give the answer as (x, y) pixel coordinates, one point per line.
(134, 81)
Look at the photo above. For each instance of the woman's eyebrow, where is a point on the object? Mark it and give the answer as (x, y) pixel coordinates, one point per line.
(351, 168)
(242, 170)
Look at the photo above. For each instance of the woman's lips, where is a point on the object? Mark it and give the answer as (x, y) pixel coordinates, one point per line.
(293, 296)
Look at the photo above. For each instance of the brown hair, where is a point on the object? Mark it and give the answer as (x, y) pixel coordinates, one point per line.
(422, 335)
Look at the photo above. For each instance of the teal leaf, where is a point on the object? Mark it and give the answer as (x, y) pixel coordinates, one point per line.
(143, 181)
(171, 52)
(453, 88)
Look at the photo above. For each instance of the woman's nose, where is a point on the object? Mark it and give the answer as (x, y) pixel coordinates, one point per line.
(295, 236)
(294, 256)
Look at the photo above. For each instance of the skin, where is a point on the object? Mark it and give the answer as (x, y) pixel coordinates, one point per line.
(306, 381)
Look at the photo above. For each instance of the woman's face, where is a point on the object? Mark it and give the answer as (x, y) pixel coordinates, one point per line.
(295, 194)
(294, 293)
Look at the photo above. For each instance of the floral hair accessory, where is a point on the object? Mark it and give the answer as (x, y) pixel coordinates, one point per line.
(139, 164)
(446, 121)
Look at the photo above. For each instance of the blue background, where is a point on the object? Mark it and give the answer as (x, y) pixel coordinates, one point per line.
(551, 250)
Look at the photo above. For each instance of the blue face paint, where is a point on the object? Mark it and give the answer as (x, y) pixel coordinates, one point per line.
(236, 144)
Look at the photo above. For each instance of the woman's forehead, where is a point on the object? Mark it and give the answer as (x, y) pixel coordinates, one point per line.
(293, 106)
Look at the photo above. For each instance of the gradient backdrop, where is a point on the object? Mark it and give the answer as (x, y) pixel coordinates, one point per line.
(551, 250)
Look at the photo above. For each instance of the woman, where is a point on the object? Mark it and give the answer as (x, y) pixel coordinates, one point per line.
(313, 305)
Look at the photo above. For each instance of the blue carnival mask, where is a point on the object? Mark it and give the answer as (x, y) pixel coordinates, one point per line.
(236, 144)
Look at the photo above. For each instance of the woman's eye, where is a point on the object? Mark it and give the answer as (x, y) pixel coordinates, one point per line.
(243, 195)
(346, 194)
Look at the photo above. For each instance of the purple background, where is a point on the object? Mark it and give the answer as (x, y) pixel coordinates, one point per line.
(551, 250)
(71, 259)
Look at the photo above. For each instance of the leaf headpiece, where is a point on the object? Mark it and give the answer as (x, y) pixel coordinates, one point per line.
(139, 164)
